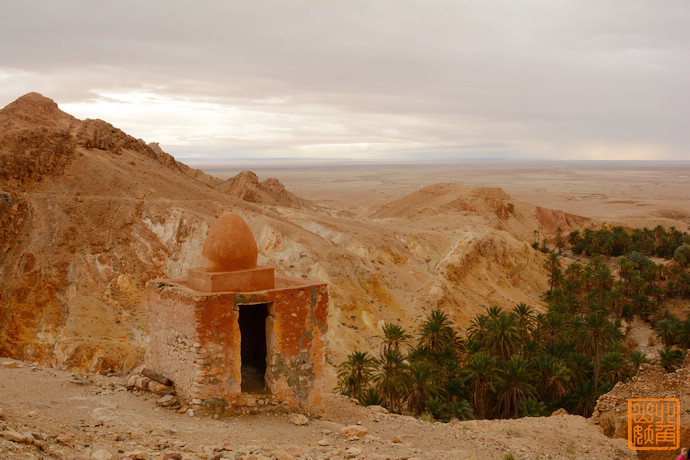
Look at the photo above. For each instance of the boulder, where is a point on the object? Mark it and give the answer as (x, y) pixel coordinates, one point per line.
(299, 419)
(167, 401)
(350, 431)
(614, 424)
(16, 436)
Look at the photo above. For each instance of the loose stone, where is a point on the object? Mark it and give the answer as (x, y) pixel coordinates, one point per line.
(299, 419)
(167, 401)
(353, 431)
(15, 436)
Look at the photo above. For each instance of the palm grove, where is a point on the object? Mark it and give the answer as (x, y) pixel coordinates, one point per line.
(523, 363)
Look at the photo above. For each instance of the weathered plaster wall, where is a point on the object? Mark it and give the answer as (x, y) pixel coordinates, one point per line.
(219, 334)
(209, 373)
(174, 341)
(296, 366)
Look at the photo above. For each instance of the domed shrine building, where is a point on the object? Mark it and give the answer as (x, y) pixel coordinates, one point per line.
(234, 335)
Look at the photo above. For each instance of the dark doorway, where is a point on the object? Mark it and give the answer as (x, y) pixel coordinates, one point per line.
(253, 347)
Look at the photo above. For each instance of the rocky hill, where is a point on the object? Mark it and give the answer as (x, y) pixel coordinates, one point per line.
(88, 214)
(433, 206)
(246, 186)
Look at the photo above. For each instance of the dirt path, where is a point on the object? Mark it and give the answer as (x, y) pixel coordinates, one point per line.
(70, 416)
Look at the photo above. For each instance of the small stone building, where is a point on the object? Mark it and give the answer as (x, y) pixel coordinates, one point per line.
(234, 335)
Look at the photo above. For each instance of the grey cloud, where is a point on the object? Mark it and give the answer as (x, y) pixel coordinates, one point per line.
(444, 72)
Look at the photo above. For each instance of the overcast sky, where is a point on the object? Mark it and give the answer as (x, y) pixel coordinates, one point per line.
(213, 80)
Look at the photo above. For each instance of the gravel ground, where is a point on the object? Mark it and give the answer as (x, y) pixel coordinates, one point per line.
(48, 413)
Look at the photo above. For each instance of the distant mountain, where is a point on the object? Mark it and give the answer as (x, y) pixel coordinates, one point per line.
(37, 139)
(246, 186)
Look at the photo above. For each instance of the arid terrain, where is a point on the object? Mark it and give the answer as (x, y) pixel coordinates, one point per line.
(96, 417)
(630, 192)
(88, 214)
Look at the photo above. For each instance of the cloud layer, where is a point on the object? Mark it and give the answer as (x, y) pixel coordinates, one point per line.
(353, 79)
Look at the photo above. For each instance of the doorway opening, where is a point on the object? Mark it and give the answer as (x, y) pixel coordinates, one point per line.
(252, 322)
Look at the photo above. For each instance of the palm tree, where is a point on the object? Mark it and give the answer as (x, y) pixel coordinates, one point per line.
(595, 335)
(614, 367)
(552, 377)
(552, 326)
(437, 332)
(580, 367)
(586, 277)
(617, 303)
(683, 337)
(525, 319)
(394, 336)
(493, 311)
(354, 373)
(601, 277)
(480, 372)
(371, 397)
(555, 279)
(447, 362)
(503, 335)
(461, 409)
(515, 385)
(637, 358)
(671, 358)
(391, 378)
(437, 408)
(532, 408)
(478, 329)
(667, 328)
(553, 265)
(572, 283)
(580, 401)
(421, 386)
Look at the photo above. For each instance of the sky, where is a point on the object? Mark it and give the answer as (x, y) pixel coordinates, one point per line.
(215, 81)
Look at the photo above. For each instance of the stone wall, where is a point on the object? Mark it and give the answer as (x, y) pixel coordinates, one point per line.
(174, 341)
(196, 342)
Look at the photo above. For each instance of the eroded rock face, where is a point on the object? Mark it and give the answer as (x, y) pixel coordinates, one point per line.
(26, 156)
(230, 245)
(79, 215)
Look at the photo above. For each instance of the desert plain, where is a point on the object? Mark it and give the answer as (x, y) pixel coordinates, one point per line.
(634, 193)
